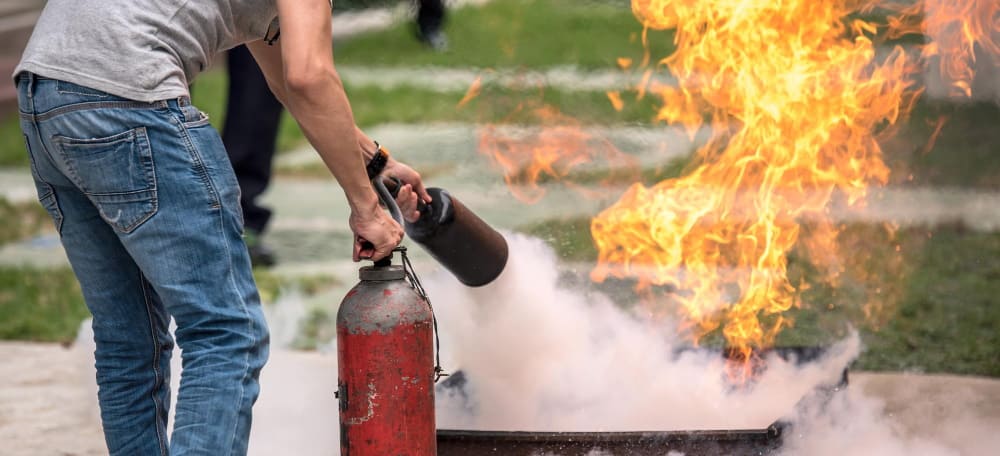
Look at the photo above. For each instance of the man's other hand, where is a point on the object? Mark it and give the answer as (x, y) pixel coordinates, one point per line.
(375, 227)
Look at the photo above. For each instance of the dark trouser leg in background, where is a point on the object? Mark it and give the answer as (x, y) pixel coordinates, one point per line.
(250, 134)
(430, 18)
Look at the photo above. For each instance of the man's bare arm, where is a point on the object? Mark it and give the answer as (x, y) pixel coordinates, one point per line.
(301, 73)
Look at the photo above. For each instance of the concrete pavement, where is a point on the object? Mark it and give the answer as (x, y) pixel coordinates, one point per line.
(49, 405)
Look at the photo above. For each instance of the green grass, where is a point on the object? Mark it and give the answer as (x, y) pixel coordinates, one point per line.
(929, 308)
(963, 155)
(21, 220)
(412, 105)
(948, 318)
(40, 305)
(319, 326)
(46, 305)
(511, 34)
(271, 285)
(373, 106)
(12, 148)
(209, 94)
(515, 34)
(934, 302)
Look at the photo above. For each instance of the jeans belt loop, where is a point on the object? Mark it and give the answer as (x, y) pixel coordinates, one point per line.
(31, 84)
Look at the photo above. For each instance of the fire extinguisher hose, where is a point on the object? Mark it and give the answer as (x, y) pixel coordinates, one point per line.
(390, 203)
(411, 277)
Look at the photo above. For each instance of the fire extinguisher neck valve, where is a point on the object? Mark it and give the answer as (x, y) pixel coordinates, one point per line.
(382, 273)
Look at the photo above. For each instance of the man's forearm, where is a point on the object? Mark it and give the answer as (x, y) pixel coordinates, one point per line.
(300, 72)
(366, 144)
(326, 120)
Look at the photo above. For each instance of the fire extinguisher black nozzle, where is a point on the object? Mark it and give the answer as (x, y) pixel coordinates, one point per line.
(459, 240)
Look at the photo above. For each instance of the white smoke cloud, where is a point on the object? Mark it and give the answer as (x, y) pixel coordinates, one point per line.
(540, 357)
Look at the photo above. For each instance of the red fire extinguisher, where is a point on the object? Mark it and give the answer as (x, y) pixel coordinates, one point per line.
(385, 353)
(387, 370)
(388, 362)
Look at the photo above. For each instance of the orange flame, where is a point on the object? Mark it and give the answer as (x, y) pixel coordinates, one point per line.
(474, 89)
(529, 158)
(955, 29)
(793, 97)
(616, 100)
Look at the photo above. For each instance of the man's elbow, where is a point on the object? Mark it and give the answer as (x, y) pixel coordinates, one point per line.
(306, 83)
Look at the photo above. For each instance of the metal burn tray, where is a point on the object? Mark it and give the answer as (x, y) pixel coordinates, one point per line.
(735, 442)
(659, 443)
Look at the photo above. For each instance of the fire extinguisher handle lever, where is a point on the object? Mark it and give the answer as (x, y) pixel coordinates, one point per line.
(388, 199)
(393, 185)
(390, 203)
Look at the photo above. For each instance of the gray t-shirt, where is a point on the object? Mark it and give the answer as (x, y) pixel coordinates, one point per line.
(144, 50)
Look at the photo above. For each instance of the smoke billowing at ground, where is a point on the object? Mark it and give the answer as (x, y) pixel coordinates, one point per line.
(539, 357)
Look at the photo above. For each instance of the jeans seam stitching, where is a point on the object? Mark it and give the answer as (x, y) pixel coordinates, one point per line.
(38, 133)
(60, 84)
(196, 123)
(74, 92)
(130, 192)
(34, 170)
(199, 163)
(158, 382)
(73, 107)
(71, 172)
(142, 136)
(58, 219)
(56, 212)
(246, 313)
(106, 141)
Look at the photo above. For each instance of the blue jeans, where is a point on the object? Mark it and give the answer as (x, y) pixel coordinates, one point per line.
(148, 210)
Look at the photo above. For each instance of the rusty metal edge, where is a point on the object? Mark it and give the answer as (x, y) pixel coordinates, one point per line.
(770, 434)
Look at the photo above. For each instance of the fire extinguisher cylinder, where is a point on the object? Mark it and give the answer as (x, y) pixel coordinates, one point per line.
(385, 347)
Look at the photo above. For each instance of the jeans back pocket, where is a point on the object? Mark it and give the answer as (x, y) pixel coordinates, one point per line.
(116, 173)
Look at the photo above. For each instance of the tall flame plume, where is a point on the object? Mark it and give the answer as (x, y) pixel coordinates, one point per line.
(794, 97)
(797, 95)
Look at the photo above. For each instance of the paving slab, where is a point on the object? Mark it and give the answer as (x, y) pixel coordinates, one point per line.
(951, 410)
(16, 185)
(48, 404)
